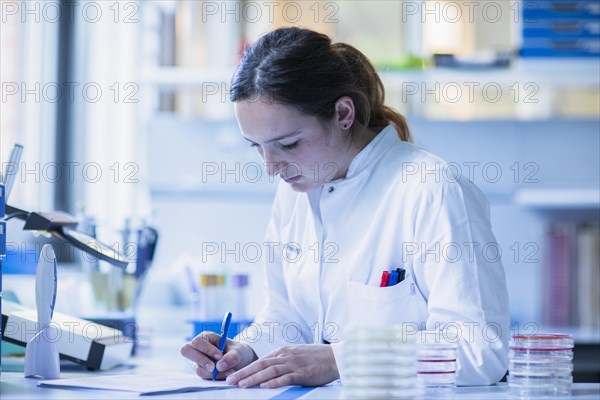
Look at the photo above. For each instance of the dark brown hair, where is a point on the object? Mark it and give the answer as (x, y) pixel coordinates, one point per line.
(302, 68)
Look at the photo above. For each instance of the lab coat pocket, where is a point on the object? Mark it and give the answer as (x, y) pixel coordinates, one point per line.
(373, 305)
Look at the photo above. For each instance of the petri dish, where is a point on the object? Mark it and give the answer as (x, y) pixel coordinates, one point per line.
(540, 365)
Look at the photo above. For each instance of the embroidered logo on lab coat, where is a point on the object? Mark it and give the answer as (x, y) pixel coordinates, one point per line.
(292, 252)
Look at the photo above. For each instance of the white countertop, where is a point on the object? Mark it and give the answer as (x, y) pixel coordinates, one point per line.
(162, 354)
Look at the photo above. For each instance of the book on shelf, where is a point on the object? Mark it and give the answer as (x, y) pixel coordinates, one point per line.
(588, 264)
(572, 276)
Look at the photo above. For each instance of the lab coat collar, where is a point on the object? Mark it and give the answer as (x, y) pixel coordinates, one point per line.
(371, 152)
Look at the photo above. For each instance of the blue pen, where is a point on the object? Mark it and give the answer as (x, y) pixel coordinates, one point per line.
(393, 278)
(224, 332)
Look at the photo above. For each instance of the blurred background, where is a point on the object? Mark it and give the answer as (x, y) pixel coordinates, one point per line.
(122, 108)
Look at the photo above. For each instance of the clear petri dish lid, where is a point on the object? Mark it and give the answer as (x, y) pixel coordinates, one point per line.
(429, 354)
(382, 358)
(438, 339)
(553, 362)
(391, 334)
(529, 369)
(377, 347)
(388, 370)
(541, 342)
(400, 381)
(531, 382)
(383, 393)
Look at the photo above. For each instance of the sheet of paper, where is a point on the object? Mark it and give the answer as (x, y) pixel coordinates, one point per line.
(144, 384)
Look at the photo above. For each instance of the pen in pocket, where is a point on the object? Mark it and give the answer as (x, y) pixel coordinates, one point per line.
(385, 278)
(392, 278)
(401, 274)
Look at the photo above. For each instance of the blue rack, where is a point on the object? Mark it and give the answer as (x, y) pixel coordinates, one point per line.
(215, 326)
(2, 250)
(561, 28)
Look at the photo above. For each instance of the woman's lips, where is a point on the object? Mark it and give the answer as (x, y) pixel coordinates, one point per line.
(293, 179)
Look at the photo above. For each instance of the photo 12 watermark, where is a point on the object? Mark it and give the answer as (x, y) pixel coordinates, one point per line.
(71, 92)
(269, 252)
(72, 171)
(470, 92)
(270, 11)
(53, 12)
(436, 253)
(465, 11)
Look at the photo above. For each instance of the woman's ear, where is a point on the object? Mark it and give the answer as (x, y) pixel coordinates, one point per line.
(344, 113)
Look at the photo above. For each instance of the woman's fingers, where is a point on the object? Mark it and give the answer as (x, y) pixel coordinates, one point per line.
(225, 374)
(202, 372)
(206, 343)
(207, 374)
(196, 356)
(202, 350)
(283, 380)
(260, 371)
(246, 372)
(272, 374)
(231, 359)
(307, 365)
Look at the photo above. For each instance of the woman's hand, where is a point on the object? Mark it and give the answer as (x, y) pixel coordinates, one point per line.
(203, 351)
(305, 365)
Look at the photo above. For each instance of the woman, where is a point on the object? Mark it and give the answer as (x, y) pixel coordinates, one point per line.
(355, 198)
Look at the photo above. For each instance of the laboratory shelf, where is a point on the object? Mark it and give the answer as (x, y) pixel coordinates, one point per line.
(174, 194)
(558, 198)
(173, 77)
(582, 73)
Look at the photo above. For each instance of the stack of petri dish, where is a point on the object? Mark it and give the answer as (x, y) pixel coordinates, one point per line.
(540, 365)
(380, 363)
(436, 367)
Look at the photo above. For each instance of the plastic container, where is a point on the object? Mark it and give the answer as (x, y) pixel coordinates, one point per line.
(2, 252)
(380, 363)
(212, 306)
(540, 365)
(436, 367)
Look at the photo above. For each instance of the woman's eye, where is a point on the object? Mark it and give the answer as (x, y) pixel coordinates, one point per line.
(253, 144)
(290, 146)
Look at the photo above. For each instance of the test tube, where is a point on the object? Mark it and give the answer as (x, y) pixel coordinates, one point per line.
(239, 283)
(220, 298)
(207, 296)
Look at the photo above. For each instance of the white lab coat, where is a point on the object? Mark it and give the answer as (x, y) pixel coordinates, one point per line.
(399, 206)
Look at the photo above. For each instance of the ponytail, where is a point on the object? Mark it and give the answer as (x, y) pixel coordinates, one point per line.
(369, 83)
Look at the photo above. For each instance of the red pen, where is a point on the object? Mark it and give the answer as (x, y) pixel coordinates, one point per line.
(385, 278)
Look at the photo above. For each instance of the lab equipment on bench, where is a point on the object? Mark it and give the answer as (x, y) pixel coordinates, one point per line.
(41, 352)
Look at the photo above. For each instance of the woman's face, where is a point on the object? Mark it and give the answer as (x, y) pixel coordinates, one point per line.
(304, 151)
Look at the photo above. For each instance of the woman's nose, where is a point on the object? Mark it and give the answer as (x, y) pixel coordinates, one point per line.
(271, 166)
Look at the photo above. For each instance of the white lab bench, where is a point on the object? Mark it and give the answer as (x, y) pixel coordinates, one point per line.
(15, 387)
(164, 355)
